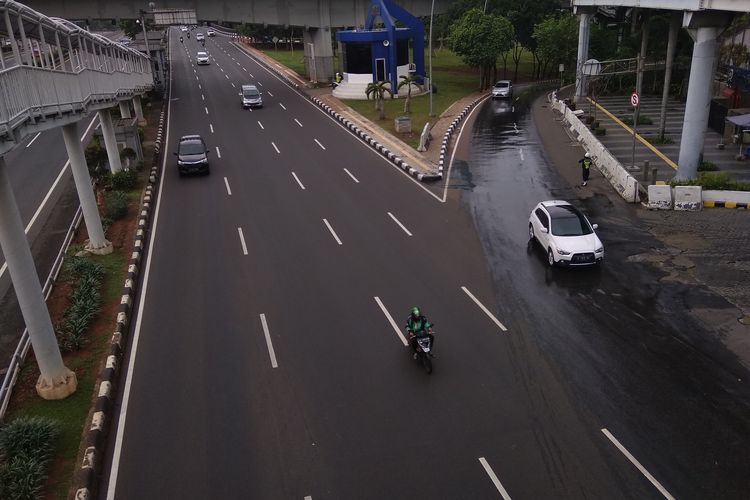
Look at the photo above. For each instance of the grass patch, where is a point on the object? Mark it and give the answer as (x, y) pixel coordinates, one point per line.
(642, 120)
(292, 60)
(453, 81)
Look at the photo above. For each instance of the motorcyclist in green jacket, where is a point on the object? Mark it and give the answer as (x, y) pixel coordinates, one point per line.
(417, 325)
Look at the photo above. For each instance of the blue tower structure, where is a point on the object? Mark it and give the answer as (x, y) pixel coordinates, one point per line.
(381, 51)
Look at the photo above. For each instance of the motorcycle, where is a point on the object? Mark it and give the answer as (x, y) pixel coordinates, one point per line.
(424, 351)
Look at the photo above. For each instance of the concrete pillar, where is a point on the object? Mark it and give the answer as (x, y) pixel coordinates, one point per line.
(318, 54)
(584, 27)
(674, 26)
(138, 110)
(698, 100)
(319, 46)
(97, 243)
(55, 380)
(13, 42)
(125, 109)
(110, 142)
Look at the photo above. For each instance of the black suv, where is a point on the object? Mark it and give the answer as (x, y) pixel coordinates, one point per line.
(192, 155)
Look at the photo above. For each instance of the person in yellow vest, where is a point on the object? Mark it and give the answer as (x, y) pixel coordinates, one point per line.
(586, 163)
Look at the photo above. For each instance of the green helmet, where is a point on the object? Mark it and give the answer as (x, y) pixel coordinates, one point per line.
(415, 311)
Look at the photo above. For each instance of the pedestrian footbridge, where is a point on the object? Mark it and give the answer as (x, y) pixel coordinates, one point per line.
(52, 73)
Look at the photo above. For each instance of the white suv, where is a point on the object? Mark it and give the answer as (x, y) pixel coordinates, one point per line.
(565, 234)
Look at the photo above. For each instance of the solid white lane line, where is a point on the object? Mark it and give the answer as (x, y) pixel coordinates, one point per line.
(35, 138)
(333, 233)
(226, 183)
(218, 152)
(298, 181)
(390, 320)
(274, 147)
(269, 93)
(114, 469)
(352, 176)
(204, 107)
(261, 125)
(494, 478)
(212, 127)
(486, 311)
(399, 223)
(298, 123)
(319, 144)
(271, 352)
(242, 240)
(284, 107)
(637, 464)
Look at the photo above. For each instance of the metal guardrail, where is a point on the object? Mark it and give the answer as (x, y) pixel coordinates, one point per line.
(24, 344)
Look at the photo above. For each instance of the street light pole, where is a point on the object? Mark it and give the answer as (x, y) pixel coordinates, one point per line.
(432, 10)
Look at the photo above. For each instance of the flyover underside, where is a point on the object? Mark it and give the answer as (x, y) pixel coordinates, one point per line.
(684, 5)
(290, 12)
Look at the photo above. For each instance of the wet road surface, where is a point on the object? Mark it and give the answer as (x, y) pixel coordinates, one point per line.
(622, 342)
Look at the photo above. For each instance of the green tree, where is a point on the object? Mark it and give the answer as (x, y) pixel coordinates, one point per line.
(407, 81)
(479, 39)
(557, 40)
(377, 91)
(130, 27)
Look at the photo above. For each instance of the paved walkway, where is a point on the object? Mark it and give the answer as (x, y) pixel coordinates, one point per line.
(619, 138)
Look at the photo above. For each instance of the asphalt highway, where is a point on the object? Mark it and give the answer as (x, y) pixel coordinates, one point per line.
(266, 357)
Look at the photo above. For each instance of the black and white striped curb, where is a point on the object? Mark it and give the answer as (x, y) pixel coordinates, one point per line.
(451, 129)
(352, 127)
(95, 437)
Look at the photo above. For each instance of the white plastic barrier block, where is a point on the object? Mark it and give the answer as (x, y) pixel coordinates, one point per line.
(688, 198)
(660, 197)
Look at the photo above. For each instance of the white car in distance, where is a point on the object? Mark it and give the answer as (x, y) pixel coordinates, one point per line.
(566, 235)
(202, 58)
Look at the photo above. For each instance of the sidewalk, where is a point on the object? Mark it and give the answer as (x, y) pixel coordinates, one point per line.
(698, 249)
(426, 162)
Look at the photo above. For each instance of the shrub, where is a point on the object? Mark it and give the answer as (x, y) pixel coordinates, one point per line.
(124, 180)
(138, 166)
(84, 302)
(115, 205)
(96, 158)
(642, 120)
(707, 166)
(600, 131)
(659, 140)
(713, 180)
(26, 446)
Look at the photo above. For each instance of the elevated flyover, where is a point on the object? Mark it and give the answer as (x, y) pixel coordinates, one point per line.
(705, 20)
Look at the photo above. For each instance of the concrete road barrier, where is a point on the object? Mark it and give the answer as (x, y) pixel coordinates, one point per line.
(688, 198)
(660, 197)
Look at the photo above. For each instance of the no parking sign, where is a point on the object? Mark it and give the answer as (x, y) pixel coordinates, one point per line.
(635, 100)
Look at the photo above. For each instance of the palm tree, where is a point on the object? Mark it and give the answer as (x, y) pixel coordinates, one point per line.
(408, 81)
(376, 91)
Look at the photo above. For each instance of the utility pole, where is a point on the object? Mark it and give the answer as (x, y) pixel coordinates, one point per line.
(432, 10)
